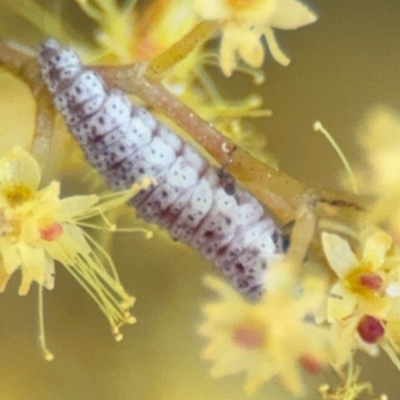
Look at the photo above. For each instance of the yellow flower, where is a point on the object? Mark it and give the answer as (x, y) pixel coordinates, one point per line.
(273, 337)
(363, 306)
(367, 333)
(358, 332)
(362, 282)
(38, 228)
(245, 22)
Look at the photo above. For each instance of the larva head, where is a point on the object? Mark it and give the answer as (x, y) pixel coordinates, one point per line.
(59, 65)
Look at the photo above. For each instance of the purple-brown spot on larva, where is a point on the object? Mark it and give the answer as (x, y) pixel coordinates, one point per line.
(198, 204)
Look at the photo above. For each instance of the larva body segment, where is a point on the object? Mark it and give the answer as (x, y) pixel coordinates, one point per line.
(125, 143)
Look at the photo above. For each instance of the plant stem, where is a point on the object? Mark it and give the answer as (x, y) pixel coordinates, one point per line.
(282, 194)
(25, 67)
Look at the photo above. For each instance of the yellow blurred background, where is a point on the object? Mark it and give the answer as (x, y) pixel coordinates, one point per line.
(342, 66)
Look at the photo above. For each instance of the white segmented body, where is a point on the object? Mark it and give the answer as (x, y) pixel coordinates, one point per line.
(125, 143)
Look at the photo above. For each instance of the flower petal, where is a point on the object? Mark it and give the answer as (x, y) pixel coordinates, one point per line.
(375, 306)
(19, 168)
(250, 49)
(10, 255)
(344, 333)
(4, 277)
(339, 254)
(291, 14)
(375, 249)
(277, 54)
(341, 303)
(33, 267)
(257, 378)
(227, 51)
(77, 205)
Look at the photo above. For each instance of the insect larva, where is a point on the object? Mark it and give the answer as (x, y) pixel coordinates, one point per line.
(125, 143)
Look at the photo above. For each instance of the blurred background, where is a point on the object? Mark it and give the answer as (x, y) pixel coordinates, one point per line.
(342, 66)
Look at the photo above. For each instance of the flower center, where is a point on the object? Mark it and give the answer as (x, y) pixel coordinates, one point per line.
(370, 329)
(364, 282)
(51, 232)
(249, 337)
(17, 194)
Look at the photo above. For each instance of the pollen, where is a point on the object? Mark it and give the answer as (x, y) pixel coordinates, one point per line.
(364, 282)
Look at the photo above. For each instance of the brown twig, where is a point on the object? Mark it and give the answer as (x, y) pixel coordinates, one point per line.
(26, 68)
(282, 194)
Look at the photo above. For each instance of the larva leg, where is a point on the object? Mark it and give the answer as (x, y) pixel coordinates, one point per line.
(227, 180)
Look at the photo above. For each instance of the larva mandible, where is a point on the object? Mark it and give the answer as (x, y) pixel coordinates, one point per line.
(125, 143)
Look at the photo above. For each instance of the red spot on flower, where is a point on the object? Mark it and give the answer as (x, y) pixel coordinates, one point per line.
(371, 281)
(51, 232)
(249, 337)
(311, 365)
(370, 329)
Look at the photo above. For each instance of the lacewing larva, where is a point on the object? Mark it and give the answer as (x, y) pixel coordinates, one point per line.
(124, 143)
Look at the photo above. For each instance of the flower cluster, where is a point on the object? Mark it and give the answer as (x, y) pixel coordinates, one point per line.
(38, 228)
(307, 320)
(284, 331)
(365, 292)
(245, 23)
(277, 336)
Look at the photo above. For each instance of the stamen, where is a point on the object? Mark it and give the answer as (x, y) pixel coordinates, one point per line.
(319, 128)
(277, 54)
(48, 355)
